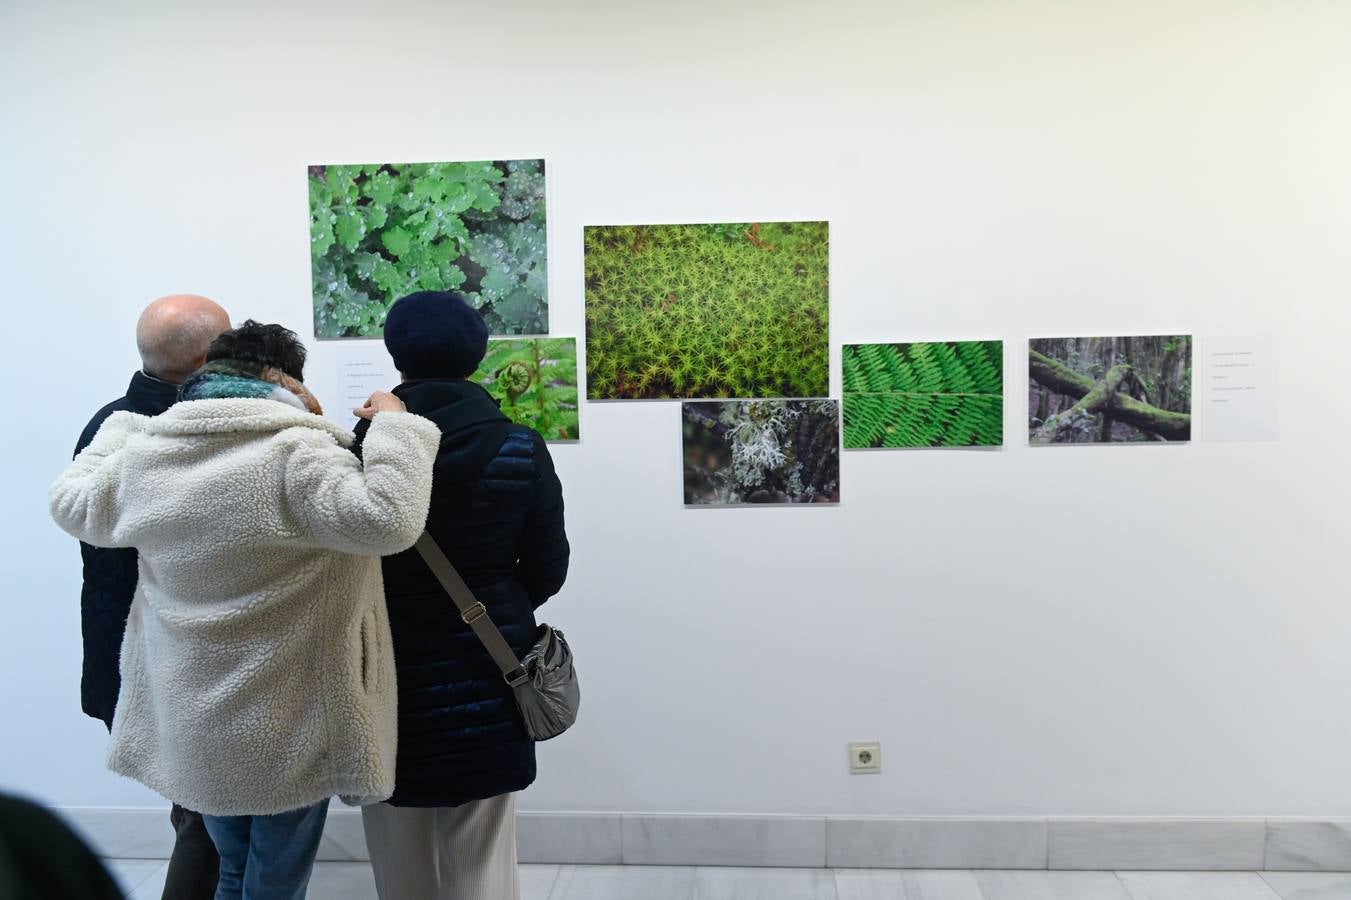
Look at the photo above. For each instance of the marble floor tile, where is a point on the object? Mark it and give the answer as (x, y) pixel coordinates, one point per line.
(1308, 846)
(1051, 886)
(1310, 885)
(153, 887)
(342, 881)
(354, 881)
(132, 873)
(624, 883)
(895, 884)
(144, 880)
(537, 882)
(764, 884)
(344, 838)
(1197, 886)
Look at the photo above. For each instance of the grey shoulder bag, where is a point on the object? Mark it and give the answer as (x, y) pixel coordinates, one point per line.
(544, 680)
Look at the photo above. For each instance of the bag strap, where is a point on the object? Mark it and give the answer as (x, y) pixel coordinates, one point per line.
(472, 612)
(479, 411)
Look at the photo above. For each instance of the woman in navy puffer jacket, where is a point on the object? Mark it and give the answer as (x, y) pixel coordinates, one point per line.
(497, 513)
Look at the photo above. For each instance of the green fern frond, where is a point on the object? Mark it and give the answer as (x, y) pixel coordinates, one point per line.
(547, 401)
(945, 394)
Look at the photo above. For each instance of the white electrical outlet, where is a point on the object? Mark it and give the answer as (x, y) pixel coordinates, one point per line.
(865, 759)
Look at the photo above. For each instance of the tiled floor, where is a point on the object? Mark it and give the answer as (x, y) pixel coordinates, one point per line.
(144, 880)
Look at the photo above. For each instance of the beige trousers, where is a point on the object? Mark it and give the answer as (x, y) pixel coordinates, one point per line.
(444, 853)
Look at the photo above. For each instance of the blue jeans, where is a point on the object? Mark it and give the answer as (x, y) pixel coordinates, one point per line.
(267, 857)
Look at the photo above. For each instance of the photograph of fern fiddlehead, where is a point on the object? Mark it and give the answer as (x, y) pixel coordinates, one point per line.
(937, 394)
(728, 310)
(761, 451)
(535, 382)
(1099, 390)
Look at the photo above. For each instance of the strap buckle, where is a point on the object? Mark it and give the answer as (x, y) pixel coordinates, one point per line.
(473, 613)
(517, 676)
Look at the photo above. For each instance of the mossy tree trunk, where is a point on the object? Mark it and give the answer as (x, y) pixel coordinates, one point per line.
(1109, 362)
(1096, 397)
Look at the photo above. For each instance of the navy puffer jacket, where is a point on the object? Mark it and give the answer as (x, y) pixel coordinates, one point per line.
(497, 513)
(110, 573)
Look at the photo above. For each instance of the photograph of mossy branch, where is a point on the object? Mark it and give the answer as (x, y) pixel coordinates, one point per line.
(378, 232)
(535, 381)
(1092, 390)
(932, 394)
(737, 309)
(761, 451)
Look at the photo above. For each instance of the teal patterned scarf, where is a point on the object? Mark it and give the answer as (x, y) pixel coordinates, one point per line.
(224, 378)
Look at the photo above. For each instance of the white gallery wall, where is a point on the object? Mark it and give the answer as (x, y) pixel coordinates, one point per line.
(1159, 630)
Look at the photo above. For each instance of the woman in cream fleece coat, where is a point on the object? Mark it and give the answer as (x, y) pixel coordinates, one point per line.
(257, 668)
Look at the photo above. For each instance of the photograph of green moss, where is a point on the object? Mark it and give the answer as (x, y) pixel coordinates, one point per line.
(937, 394)
(727, 310)
(378, 232)
(535, 381)
(761, 451)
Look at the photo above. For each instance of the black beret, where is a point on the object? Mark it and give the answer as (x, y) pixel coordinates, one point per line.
(435, 334)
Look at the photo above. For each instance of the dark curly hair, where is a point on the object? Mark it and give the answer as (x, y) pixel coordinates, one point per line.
(268, 345)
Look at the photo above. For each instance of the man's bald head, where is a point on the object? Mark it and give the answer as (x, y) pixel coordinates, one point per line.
(174, 333)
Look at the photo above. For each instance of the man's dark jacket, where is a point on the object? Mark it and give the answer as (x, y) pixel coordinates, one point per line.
(497, 513)
(110, 574)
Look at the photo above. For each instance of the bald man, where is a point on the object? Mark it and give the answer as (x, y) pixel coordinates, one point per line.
(172, 336)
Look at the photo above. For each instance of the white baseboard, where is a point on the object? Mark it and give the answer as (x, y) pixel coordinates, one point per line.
(1217, 844)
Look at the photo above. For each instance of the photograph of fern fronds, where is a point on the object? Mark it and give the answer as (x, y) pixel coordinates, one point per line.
(379, 232)
(761, 451)
(1099, 390)
(535, 381)
(934, 394)
(737, 309)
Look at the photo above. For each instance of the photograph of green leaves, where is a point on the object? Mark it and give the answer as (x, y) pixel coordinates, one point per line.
(378, 232)
(761, 451)
(535, 381)
(729, 310)
(1089, 390)
(944, 394)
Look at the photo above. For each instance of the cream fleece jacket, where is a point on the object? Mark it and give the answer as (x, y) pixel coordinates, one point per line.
(257, 667)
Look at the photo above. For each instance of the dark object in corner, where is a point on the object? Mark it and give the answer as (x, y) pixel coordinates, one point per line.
(41, 857)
